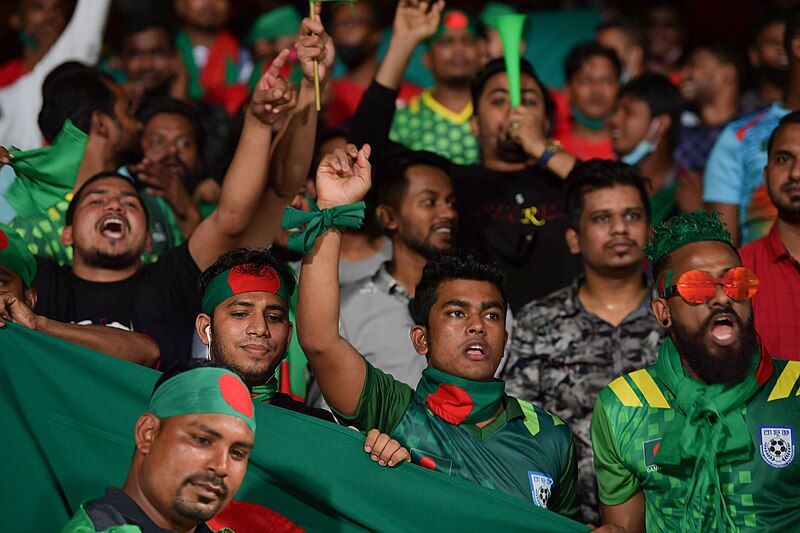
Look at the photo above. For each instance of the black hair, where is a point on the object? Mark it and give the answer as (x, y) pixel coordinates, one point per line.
(166, 105)
(766, 19)
(193, 364)
(73, 91)
(792, 18)
(791, 118)
(662, 97)
(582, 53)
(498, 65)
(140, 21)
(253, 261)
(391, 180)
(596, 174)
(726, 55)
(76, 198)
(631, 27)
(452, 265)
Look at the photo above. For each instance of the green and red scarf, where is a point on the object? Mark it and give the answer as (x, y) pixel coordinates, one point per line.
(218, 81)
(457, 400)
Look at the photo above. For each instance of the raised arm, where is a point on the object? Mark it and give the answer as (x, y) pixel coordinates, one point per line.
(293, 148)
(414, 22)
(126, 345)
(246, 178)
(343, 177)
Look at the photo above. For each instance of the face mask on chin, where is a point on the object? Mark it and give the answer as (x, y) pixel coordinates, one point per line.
(645, 147)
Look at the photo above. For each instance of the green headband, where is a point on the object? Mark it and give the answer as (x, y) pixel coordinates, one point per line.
(241, 279)
(492, 10)
(454, 19)
(684, 229)
(14, 255)
(206, 390)
(280, 22)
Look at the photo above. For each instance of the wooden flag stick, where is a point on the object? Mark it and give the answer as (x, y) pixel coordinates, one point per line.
(312, 15)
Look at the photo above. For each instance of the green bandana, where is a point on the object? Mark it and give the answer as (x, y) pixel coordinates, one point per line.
(280, 22)
(317, 221)
(708, 432)
(593, 124)
(206, 390)
(45, 176)
(684, 229)
(457, 400)
(265, 392)
(14, 255)
(454, 19)
(241, 279)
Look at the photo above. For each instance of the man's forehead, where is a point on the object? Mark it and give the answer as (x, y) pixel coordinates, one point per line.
(787, 138)
(616, 197)
(223, 426)
(256, 298)
(168, 121)
(711, 256)
(468, 290)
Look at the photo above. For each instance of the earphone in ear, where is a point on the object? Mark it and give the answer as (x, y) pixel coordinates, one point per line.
(208, 346)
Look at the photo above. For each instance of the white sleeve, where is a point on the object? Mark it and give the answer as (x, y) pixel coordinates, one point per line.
(21, 101)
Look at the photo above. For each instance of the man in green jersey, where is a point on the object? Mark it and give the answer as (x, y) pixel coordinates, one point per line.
(704, 440)
(458, 421)
(438, 120)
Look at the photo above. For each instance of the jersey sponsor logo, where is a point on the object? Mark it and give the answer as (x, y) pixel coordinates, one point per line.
(650, 450)
(777, 446)
(541, 487)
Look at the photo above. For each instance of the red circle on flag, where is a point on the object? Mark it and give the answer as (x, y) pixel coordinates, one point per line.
(236, 394)
(265, 281)
(455, 20)
(427, 462)
(3, 240)
(451, 403)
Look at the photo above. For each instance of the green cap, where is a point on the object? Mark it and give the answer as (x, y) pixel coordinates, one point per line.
(492, 10)
(680, 230)
(205, 390)
(455, 19)
(240, 279)
(280, 22)
(15, 256)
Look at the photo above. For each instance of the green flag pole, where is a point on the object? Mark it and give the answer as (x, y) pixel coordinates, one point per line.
(510, 29)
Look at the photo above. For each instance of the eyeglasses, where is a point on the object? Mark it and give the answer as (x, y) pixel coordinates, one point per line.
(697, 286)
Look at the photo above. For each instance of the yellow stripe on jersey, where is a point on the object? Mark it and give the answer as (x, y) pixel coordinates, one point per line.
(531, 418)
(786, 381)
(625, 392)
(651, 392)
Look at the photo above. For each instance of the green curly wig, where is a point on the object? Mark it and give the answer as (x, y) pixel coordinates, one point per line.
(684, 229)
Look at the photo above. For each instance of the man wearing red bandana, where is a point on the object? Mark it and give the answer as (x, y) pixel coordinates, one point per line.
(458, 421)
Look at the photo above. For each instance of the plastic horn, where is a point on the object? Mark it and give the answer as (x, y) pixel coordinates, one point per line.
(510, 29)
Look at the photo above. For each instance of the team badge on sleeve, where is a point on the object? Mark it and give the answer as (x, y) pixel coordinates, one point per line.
(777, 446)
(541, 486)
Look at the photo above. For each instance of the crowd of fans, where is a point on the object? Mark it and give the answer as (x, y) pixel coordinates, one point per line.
(575, 300)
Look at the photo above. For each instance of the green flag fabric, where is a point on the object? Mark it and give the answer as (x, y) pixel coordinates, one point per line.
(68, 416)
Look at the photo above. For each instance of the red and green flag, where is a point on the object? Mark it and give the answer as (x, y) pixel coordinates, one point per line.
(68, 415)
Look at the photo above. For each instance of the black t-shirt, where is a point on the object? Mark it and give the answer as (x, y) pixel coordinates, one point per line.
(160, 301)
(496, 209)
(521, 219)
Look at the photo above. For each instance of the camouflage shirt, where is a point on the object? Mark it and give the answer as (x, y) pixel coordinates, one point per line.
(561, 356)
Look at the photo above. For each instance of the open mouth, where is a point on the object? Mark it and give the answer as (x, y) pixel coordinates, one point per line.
(476, 351)
(113, 228)
(723, 329)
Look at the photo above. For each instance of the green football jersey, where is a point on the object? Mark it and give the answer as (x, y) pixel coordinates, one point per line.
(425, 124)
(762, 493)
(526, 452)
(42, 233)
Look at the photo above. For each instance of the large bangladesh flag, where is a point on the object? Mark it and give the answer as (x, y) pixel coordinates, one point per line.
(67, 433)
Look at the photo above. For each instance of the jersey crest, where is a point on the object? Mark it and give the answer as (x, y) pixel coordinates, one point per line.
(777, 446)
(541, 487)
